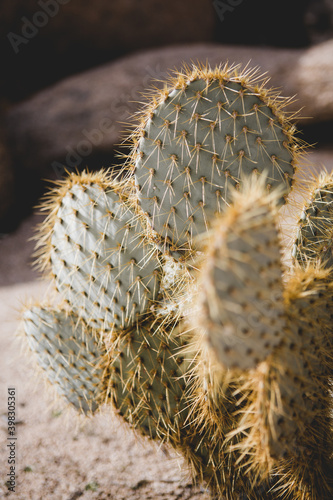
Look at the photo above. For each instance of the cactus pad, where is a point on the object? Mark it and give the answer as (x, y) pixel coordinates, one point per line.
(291, 403)
(315, 230)
(69, 357)
(100, 260)
(147, 380)
(241, 293)
(198, 137)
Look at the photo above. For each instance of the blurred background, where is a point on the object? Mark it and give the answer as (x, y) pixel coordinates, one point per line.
(74, 70)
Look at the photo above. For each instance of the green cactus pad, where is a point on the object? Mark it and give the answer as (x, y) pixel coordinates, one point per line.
(69, 356)
(198, 137)
(240, 291)
(147, 381)
(100, 259)
(314, 240)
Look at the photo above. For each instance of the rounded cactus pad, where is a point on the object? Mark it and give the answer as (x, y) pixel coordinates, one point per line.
(314, 239)
(198, 136)
(240, 297)
(97, 251)
(70, 358)
(147, 384)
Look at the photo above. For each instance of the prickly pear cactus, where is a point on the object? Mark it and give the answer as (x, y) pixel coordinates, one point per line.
(197, 137)
(118, 253)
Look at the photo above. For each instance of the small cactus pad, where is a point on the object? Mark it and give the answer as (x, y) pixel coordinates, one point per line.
(314, 240)
(198, 137)
(100, 260)
(70, 358)
(147, 380)
(240, 291)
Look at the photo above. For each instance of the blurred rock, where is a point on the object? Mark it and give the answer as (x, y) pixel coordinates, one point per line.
(80, 121)
(46, 40)
(312, 78)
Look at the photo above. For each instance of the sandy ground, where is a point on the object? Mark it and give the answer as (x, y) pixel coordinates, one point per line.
(58, 456)
(61, 457)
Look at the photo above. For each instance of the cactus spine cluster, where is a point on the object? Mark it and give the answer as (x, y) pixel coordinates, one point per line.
(174, 305)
